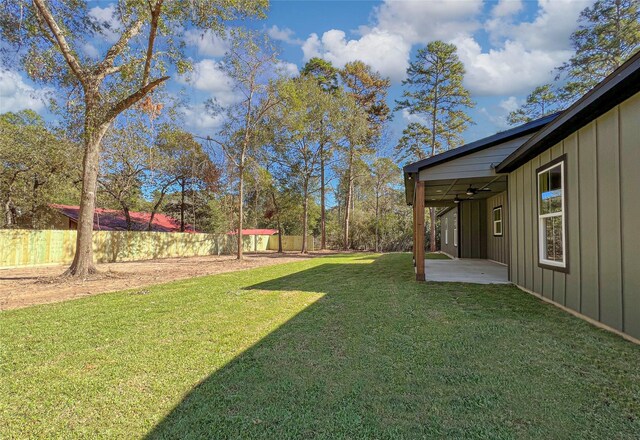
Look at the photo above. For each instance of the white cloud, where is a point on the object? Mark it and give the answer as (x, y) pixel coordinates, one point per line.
(283, 34)
(549, 31)
(208, 43)
(506, 8)
(498, 114)
(512, 69)
(425, 21)
(510, 104)
(208, 76)
(198, 118)
(385, 52)
(520, 56)
(16, 95)
(386, 45)
(90, 50)
(110, 23)
(413, 118)
(287, 69)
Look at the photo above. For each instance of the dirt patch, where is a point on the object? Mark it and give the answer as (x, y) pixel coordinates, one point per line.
(28, 286)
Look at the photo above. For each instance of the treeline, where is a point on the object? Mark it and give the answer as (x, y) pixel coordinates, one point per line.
(301, 155)
(304, 155)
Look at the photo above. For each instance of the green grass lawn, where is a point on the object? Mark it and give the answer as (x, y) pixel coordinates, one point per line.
(335, 347)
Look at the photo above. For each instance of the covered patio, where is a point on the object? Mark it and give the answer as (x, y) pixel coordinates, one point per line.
(467, 202)
(467, 270)
(464, 182)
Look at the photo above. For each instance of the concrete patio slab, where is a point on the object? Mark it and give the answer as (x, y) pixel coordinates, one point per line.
(466, 270)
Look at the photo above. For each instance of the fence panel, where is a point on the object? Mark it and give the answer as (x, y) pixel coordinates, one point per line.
(22, 247)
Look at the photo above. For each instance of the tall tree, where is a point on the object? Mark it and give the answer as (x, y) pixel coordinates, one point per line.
(369, 91)
(37, 167)
(434, 92)
(323, 71)
(608, 34)
(411, 145)
(327, 76)
(356, 132)
(125, 162)
(542, 101)
(180, 166)
(51, 35)
(383, 172)
(305, 113)
(252, 63)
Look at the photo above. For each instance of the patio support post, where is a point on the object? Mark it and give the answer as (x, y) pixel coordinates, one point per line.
(414, 229)
(419, 225)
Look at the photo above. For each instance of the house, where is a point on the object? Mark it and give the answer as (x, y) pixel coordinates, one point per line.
(556, 200)
(66, 217)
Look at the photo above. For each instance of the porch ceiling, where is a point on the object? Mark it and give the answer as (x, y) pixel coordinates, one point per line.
(443, 192)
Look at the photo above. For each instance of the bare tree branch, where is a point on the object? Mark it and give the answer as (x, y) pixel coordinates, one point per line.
(155, 14)
(127, 102)
(67, 53)
(118, 47)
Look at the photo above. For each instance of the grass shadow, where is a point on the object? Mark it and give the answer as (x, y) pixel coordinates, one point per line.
(380, 356)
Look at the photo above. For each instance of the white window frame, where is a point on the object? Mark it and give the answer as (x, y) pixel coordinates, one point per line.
(495, 222)
(446, 230)
(560, 162)
(455, 229)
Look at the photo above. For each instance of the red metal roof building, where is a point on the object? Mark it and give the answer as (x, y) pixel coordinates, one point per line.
(115, 220)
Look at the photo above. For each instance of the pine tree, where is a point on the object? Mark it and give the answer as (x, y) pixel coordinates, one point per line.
(327, 76)
(608, 35)
(369, 91)
(434, 92)
(541, 102)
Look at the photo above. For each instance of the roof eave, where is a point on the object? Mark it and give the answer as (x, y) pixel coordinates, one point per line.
(479, 145)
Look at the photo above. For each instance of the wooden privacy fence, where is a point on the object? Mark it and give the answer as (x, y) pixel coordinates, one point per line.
(290, 243)
(21, 247)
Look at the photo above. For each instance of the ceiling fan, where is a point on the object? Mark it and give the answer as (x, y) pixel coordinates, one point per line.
(471, 191)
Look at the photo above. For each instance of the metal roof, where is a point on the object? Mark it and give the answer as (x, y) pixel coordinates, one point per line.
(115, 220)
(481, 144)
(623, 83)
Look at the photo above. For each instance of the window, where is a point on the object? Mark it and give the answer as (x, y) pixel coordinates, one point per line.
(446, 230)
(455, 229)
(497, 221)
(551, 215)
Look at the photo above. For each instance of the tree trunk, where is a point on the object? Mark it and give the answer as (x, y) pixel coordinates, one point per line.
(347, 215)
(240, 211)
(182, 205)
(432, 230)
(8, 213)
(305, 207)
(153, 212)
(323, 234)
(127, 215)
(377, 221)
(275, 205)
(82, 264)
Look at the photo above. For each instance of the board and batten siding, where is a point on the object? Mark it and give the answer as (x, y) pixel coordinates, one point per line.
(497, 246)
(449, 219)
(473, 227)
(602, 191)
(478, 164)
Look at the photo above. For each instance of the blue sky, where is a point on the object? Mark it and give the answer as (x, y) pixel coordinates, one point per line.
(508, 48)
